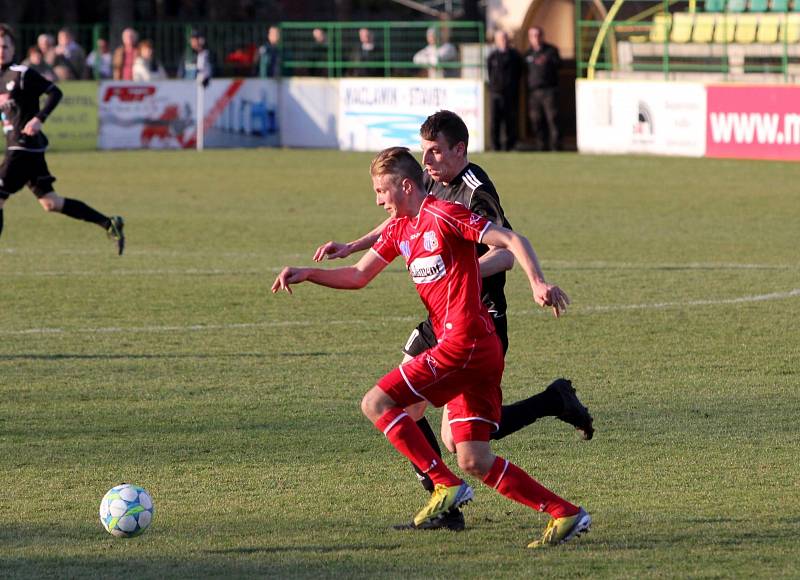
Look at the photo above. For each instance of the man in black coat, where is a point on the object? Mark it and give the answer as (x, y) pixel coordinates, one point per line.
(542, 62)
(505, 68)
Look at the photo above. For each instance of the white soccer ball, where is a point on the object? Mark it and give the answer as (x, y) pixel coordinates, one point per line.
(126, 510)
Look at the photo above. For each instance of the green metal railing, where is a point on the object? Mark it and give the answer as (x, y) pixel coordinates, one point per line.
(719, 38)
(235, 46)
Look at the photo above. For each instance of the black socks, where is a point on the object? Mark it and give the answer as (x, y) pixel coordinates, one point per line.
(514, 417)
(80, 211)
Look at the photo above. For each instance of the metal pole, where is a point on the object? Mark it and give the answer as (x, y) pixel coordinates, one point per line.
(200, 115)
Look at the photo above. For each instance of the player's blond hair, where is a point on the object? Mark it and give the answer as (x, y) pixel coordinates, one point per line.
(397, 162)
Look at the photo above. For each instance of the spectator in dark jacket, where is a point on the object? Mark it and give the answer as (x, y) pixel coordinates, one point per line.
(543, 61)
(505, 71)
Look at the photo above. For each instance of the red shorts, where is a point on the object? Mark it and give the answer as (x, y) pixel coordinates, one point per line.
(464, 375)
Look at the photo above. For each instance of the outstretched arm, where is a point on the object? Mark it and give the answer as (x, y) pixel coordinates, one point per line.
(333, 250)
(348, 278)
(543, 293)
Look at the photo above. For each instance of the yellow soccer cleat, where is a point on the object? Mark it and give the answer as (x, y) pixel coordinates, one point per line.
(442, 500)
(561, 530)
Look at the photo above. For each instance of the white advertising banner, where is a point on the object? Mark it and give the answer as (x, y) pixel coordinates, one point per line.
(663, 118)
(162, 114)
(379, 113)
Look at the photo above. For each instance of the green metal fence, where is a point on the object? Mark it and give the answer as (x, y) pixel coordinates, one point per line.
(235, 46)
(757, 40)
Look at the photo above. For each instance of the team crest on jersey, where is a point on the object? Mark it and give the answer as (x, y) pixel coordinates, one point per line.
(429, 241)
(474, 219)
(10, 86)
(405, 248)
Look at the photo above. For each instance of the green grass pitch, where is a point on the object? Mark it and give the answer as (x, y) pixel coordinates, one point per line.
(174, 368)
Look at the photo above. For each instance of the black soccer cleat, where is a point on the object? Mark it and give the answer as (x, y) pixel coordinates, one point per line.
(573, 411)
(452, 520)
(115, 232)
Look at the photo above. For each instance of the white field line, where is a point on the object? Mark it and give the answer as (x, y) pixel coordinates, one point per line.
(300, 323)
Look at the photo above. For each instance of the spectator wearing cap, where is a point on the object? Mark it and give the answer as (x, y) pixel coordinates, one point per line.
(125, 55)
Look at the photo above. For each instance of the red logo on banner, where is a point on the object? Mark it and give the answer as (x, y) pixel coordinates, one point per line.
(755, 122)
(128, 94)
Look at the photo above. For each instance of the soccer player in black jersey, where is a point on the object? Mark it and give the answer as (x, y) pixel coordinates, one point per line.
(24, 163)
(450, 176)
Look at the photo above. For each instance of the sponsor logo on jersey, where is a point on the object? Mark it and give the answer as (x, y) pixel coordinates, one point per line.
(428, 269)
(432, 364)
(405, 248)
(429, 241)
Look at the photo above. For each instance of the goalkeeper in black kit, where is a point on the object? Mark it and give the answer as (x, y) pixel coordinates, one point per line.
(24, 164)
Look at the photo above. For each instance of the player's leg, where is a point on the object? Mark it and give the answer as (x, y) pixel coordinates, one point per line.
(557, 400)
(12, 177)
(384, 406)
(568, 520)
(421, 339)
(42, 186)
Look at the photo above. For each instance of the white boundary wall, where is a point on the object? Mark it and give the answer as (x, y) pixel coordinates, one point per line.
(664, 118)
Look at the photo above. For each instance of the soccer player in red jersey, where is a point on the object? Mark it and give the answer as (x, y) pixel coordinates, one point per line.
(437, 241)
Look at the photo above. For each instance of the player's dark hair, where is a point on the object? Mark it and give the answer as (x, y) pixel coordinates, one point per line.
(6, 30)
(397, 162)
(447, 124)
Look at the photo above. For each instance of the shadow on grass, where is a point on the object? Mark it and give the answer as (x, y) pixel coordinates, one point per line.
(63, 356)
(318, 549)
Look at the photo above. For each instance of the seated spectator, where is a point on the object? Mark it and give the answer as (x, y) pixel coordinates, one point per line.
(98, 63)
(125, 55)
(434, 54)
(35, 60)
(367, 52)
(47, 47)
(269, 54)
(318, 54)
(70, 57)
(146, 68)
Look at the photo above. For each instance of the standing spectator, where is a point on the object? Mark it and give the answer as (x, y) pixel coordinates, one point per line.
(71, 58)
(542, 61)
(318, 54)
(365, 52)
(198, 63)
(269, 54)
(125, 55)
(35, 61)
(505, 69)
(146, 68)
(434, 54)
(98, 63)
(47, 46)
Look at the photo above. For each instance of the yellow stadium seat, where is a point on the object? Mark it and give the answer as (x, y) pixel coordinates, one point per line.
(659, 32)
(746, 26)
(681, 27)
(725, 29)
(768, 26)
(791, 29)
(703, 31)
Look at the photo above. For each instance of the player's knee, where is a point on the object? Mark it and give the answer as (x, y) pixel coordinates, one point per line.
(51, 203)
(375, 403)
(475, 465)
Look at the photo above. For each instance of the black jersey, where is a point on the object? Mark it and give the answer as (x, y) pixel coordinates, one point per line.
(472, 188)
(20, 89)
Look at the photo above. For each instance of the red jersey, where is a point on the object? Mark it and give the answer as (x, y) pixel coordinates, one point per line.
(438, 246)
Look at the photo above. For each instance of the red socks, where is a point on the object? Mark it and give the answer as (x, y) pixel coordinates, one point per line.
(515, 484)
(404, 434)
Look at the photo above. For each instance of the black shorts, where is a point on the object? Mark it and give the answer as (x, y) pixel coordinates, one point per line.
(422, 337)
(21, 168)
